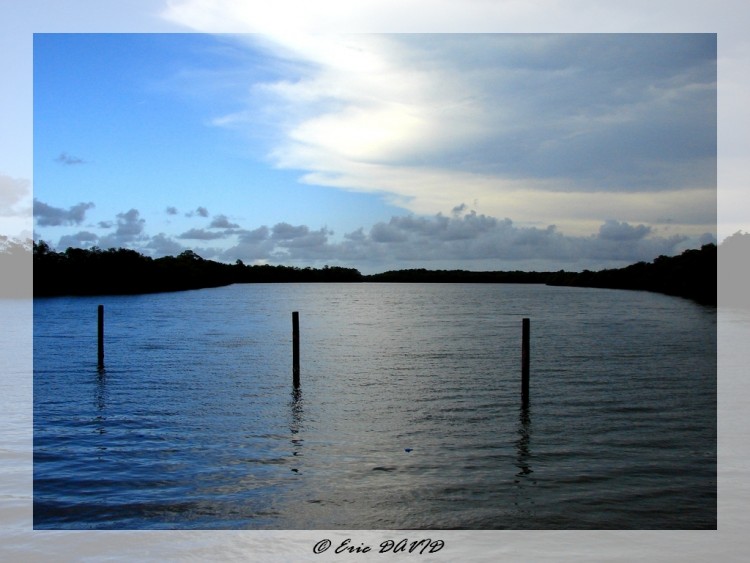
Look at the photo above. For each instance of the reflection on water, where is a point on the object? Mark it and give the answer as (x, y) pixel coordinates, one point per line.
(522, 443)
(100, 400)
(296, 425)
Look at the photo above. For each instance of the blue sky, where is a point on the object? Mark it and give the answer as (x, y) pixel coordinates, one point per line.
(378, 151)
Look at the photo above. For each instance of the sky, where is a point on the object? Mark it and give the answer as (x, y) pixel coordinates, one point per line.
(473, 151)
(378, 151)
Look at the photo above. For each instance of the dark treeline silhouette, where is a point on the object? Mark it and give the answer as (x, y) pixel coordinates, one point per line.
(420, 275)
(123, 271)
(692, 274)
(76, 271)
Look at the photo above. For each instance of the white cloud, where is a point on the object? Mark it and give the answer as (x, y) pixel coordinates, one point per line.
(561, 129)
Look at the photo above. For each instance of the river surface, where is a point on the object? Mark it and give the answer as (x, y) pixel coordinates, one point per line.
(409, 413)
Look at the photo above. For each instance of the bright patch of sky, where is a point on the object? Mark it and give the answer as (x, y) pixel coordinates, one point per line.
(481, 151)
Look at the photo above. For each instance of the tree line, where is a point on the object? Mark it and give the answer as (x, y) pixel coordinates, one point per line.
(124, 271)
(76, 271)
(692, 274)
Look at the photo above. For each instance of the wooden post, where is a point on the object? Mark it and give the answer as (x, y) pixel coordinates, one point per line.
(295, 349)
(526, 330)
(100, 331)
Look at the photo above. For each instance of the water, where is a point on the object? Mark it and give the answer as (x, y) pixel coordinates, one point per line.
(194, 424)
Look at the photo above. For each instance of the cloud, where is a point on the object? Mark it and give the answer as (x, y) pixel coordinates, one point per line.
(512, 121)
(254, 245)
(200, 234)
(614, 230)
(386, 232)
(69, 160)
(82, 239)
(171, 210)
(200, 211)
(222, 222)
(478, 241)
(163, 245)
(300, 243)
(256, 235)
(129, 224)
(466, 240)
(130, 229)
(47, 216)
(287, 232)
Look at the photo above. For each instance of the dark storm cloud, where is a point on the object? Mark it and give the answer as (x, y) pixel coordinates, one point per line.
(49, 216)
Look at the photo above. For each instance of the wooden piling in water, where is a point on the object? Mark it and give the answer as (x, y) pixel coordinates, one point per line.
(100, 333)
(295, 349)
(525, 356)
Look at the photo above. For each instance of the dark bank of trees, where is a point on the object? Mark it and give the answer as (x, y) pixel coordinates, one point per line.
(76, 271)
(458, 276)
(123, 271)
(692, 274)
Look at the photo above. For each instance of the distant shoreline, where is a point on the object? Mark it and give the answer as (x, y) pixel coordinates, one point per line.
(76, 271)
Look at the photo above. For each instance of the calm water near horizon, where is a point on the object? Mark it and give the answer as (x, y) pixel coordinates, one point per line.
(193, 424)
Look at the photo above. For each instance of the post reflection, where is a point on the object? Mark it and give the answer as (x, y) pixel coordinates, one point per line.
(524, 481)
(100, 394)
(296, 425)
(100, 404)
(523, 452)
